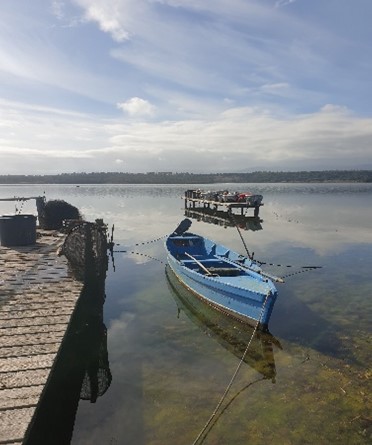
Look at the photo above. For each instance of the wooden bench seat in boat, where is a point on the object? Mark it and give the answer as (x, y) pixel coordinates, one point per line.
(224, 271)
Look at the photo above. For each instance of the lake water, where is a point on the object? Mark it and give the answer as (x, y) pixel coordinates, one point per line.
(170, 361)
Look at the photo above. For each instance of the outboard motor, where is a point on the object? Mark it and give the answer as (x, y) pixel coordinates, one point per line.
(183, 227)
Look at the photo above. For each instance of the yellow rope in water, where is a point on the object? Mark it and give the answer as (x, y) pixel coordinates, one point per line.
(232, 378)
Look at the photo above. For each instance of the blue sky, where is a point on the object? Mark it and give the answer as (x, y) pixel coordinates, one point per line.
(185, 85)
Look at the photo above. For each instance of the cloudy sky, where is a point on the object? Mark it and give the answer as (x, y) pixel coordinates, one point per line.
(185, 85)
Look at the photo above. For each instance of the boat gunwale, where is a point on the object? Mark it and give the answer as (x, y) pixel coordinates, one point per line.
(231, 284)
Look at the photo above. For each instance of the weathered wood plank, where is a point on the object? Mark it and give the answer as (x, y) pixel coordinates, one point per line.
(55, 297)
(32, 329)
(20, 397)
(18, 379)
(31, 339)
(35, 320)
(29, 350)
(38, 306)
(36, 313)
(24, 363)
(14, 423)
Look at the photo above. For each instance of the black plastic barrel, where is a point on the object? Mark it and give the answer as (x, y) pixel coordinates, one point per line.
(17, 230)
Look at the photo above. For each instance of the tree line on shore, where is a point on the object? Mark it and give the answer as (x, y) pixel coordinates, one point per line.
(191, 178)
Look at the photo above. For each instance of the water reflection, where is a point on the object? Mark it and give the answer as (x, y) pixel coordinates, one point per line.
(324, 315)
(232, 335)
(221, 218)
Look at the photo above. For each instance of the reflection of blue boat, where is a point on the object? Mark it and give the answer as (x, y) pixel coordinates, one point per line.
(230, 282)
(231, 334)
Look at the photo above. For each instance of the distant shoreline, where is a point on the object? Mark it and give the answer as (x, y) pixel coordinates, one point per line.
(326, 176)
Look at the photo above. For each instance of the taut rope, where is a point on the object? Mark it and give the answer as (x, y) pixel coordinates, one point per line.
(241, 237)
(145, 242)
(138, 253)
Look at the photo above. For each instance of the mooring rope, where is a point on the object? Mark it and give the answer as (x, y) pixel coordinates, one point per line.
(19, 210)
(310, 269)
(241, 237)
(145, 242)
(263, 263)
(138, 253)
(233, 377)
(230, 403)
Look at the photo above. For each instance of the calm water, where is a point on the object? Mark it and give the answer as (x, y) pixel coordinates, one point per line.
(170, 360)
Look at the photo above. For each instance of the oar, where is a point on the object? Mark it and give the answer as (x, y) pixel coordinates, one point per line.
(198, 263)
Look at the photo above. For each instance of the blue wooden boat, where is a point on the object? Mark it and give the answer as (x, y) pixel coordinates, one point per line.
(228, 281)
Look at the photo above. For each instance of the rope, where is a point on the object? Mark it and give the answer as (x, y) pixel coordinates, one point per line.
(230, 403)
(138, 253)
(146, 242)
(241, 236)
(232, 378)
(19, 210)
(261, 263)
(301, 271)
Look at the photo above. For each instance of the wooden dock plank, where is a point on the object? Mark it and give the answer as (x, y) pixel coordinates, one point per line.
(13, 364)
(28, 299)
(14, 423)
(37, 298)
(37, 312)
(28, 350)
(30, 339)
(35, 320)
(19, 379)
(24, 397)
(32, 329)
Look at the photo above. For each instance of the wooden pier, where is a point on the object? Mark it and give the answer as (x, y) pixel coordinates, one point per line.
(194, 199)
(38, 296)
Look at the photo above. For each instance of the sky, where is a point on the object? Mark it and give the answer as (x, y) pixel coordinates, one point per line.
(185, 85)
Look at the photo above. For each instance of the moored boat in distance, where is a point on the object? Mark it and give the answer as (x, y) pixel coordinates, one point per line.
(232, 283)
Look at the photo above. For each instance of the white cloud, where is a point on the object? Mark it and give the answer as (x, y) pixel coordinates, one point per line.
(251, 135)
(281, 3)
(112, 16)
(235, 140)
(137, 107)
(57, 8)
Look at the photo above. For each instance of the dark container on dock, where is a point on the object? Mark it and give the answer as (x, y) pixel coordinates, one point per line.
(17, 230)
